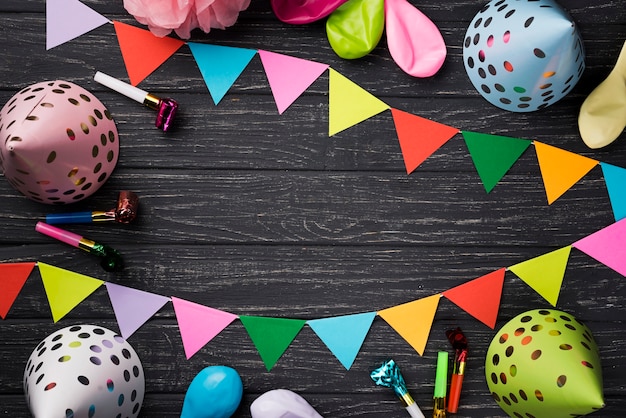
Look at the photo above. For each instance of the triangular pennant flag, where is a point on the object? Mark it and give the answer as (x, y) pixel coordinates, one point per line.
(133, 307)
(65, 289)
(419, 137)
(560, 169)
(199, 324)
(544, 274)
(12, 279)
(289, 76)
(271, 336)
(480, 297)
(220, 66)
(142, 51)
(349, 104)
(69, 19)
(343, 335)
(493, 155)
(615, 180)
(608, 246)
(413, 320)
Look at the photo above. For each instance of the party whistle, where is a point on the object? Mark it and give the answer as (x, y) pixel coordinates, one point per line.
(388, 374)
(125, 212)
(459, 343)
(441, 383)
(111, 259)
(166, 108)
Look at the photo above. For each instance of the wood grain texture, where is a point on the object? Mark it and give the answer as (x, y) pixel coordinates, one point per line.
(257, 213)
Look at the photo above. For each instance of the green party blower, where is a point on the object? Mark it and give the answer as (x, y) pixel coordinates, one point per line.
(441, 382)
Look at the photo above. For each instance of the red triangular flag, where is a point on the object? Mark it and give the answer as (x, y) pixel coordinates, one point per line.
(142, 51)
(419, 137)
(12, 279)
(480, 297)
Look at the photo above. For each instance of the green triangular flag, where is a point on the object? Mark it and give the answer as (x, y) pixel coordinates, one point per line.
(271, 336)
(65, 289)
(493, 155)
(544, 273)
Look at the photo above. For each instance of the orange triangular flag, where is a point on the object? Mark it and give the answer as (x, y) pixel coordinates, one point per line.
(480, 297)
(12, 279)
(142, 51)
(419, 137)
(545, 273)
(560, 169)
(413, 320)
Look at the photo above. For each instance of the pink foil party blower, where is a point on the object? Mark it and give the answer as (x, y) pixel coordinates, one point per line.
(111, 260)
(166, 108)
(124, 212)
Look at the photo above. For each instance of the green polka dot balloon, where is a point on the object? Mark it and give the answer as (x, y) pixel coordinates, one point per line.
(545, 364)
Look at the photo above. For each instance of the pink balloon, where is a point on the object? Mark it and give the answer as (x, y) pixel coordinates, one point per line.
(300, 12)
(414, 42)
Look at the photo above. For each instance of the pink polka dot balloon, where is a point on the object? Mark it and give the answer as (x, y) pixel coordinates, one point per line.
(59, 142)
(523, 55)
(84, 371)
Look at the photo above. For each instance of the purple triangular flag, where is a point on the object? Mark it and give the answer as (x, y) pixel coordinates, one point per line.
(133, 307)
(69, 19)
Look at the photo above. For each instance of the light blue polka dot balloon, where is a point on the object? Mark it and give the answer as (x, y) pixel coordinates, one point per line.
(215, 392)
(523, 55)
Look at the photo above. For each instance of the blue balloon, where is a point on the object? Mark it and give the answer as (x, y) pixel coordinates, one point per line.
(215, 392)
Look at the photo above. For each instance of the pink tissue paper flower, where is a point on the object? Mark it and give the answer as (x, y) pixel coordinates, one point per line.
(182, 16)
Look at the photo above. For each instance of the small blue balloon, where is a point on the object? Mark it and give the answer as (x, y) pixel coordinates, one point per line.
(215, 392)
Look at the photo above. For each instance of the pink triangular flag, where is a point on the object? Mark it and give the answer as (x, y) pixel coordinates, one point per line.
(133, 307)
(69, 19)
(289, 76)
(608, 246)
(199, 324)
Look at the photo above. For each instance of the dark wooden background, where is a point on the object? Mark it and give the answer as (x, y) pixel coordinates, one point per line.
(257, 213)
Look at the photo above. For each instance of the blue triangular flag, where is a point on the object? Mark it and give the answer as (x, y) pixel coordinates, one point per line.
(220, 66)
(615, 179)
(343, 335)
(69, 19)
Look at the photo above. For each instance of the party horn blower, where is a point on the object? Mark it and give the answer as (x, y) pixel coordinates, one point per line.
(388, 374)
(441, 383)
(459, 343)
(166, 108)
(124, 212)
(111, 260)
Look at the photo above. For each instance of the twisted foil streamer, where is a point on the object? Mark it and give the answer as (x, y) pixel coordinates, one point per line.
(388, 375)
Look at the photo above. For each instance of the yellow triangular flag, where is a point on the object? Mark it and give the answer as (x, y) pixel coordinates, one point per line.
(413, 320)
(349, 104)
(560, 169)
(544, 273)
(65, 289)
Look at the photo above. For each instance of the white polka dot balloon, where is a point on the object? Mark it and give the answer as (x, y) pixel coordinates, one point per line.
(84, 371)
(523, 55)
(59, 142)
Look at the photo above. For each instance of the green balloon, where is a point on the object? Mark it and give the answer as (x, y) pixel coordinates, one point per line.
(355, 28)
(545, 364)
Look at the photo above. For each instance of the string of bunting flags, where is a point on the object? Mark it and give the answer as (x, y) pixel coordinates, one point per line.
(343, 335)
(419, 138)
(349, 104)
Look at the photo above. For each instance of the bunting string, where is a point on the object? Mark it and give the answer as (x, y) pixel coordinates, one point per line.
(419, 138)
(199, 324)
(349, 104)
